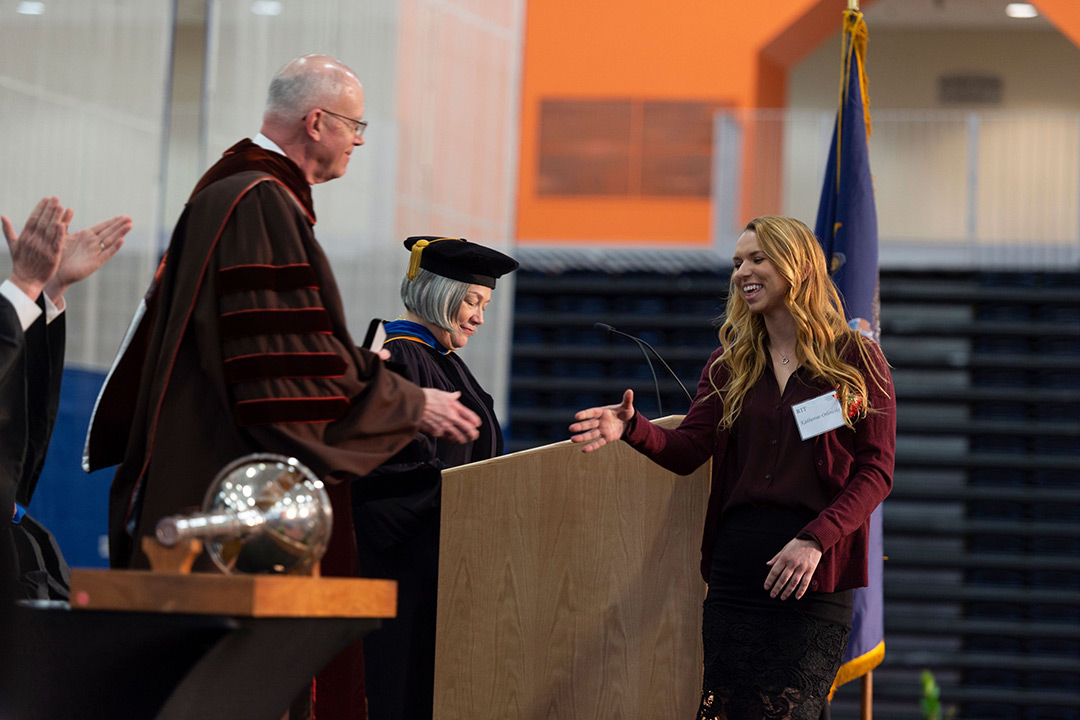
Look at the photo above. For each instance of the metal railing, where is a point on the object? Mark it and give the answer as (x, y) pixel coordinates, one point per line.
(953, 189)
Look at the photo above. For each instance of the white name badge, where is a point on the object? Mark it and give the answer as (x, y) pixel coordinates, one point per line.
(818, 416)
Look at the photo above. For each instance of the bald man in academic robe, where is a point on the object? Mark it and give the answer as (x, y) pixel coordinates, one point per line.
(241, 345)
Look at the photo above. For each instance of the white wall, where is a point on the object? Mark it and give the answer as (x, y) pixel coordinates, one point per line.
(85, 95)
(81, 100)
(992, 183)
(1040, 69)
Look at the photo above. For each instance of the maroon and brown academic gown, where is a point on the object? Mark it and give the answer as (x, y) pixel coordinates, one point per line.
(243, 348)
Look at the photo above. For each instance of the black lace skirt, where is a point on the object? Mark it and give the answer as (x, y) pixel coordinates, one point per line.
(766, 657)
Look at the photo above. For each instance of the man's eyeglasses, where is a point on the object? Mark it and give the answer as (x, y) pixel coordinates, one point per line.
(359, 125)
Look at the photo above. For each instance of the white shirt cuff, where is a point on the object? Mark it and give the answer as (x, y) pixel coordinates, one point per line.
(51, 310)
(27, 310)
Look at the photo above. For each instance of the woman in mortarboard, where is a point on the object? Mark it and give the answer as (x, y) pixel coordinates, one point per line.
(446, 291)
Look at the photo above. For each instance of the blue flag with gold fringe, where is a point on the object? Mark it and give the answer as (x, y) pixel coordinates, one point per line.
(847, 228)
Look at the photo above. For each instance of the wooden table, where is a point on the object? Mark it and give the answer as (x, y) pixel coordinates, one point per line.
(174, 647)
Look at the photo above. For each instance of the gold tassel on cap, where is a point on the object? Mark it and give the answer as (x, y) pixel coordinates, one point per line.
(414, 258)
(417, 250)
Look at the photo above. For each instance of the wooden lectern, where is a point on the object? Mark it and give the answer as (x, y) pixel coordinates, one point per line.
(569, 587)
(167, 646)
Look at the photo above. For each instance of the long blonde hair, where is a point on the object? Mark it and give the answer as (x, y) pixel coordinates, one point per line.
(822, 334)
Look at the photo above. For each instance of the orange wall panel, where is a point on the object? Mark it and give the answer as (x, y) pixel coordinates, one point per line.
(618, 220)
(1065, 14)
(730, 52)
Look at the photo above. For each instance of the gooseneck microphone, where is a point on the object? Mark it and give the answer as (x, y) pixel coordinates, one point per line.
(604, 327)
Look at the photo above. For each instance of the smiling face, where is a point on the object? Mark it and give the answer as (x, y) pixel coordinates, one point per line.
(470, 316)
(755, 277)
(463, 322)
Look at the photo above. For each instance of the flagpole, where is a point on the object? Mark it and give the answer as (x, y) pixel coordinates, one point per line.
(858, 216)
(866, 699)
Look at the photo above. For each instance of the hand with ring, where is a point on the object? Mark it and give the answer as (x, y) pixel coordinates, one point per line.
(85, 252)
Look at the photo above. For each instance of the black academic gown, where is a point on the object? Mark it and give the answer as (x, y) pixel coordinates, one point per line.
(12, 444)
(396, 514)
(31, 367)
(31, 566)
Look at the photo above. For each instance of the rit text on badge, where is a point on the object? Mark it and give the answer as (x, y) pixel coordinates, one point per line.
(819, 415)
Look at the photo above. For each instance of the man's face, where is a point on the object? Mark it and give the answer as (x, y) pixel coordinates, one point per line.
(337, 136)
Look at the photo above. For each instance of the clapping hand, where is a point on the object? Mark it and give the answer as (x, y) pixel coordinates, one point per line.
(36, 251)
(86, 251)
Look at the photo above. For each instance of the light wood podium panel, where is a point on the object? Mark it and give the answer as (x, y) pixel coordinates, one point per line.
(569, 587)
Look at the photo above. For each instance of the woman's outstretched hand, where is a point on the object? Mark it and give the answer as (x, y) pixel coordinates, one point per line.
(600, 425)
(792, 568)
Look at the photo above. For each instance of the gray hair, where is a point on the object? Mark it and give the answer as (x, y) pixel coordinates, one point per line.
(305, 83)
(434, 298)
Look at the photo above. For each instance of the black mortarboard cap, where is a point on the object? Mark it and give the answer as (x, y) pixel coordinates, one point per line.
(457, 259)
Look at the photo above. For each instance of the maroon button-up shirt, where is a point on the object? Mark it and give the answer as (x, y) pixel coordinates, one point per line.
(772, 464)
(839, 476)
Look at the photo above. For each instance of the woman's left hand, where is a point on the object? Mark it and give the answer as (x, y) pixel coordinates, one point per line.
(792, 568)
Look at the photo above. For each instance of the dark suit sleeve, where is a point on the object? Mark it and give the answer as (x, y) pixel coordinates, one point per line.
(44, 371)
(12, 404)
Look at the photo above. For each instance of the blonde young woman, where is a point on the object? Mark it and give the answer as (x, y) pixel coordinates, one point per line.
(796, 411)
